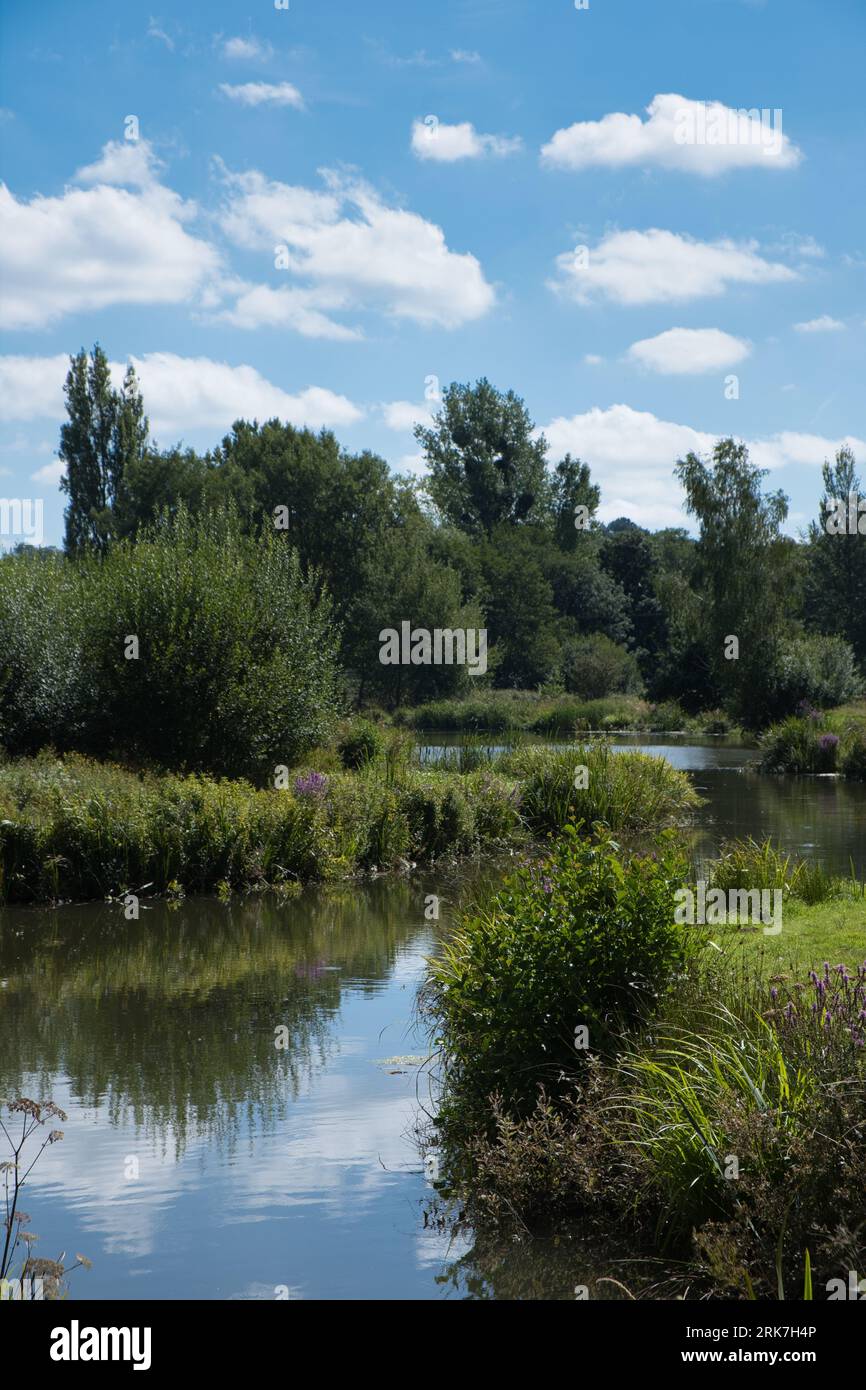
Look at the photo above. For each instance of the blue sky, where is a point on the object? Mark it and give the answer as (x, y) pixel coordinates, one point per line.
(431, 172)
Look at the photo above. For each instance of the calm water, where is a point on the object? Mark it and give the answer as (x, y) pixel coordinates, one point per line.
(200, 1161)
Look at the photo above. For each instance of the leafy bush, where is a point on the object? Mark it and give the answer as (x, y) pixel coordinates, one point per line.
(236, 665)
(361, 743)
(594, 666)
(667, 717)
(813, 668)
(42, 632)
(582, 938)
(612, 713)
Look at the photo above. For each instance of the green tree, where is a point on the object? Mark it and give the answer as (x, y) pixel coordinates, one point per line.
(571, 489)
(486, 468)
(518, 600)
(629, 557)
(835, 597)
(741, 566)
(105, 435)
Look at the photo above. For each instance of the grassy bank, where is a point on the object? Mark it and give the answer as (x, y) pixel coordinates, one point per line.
(503, 711)
(698, 1091)
(73, 829)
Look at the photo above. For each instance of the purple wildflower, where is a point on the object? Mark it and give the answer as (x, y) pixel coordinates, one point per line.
(311, 784)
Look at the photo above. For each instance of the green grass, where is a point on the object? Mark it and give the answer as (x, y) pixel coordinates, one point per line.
(833, 931)
(626, 791)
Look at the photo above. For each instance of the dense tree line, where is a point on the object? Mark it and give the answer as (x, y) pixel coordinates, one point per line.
(498, 536)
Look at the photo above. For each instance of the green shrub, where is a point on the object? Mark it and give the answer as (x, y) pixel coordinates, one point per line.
(791, 746)
(361, 743)
(235, 671)
(667, 717)
(814, 668)
(594, 666)
(687, 1100)
(583, 938)
(42, 666)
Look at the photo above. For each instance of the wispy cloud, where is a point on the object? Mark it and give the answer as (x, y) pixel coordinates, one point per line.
(824, 324)
(250, 49)
(263, 94)
(155, 32)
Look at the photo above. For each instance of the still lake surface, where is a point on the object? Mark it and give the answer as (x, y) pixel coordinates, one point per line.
(202, 1162)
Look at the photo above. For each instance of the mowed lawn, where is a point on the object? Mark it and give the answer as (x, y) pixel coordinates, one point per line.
(834, 931)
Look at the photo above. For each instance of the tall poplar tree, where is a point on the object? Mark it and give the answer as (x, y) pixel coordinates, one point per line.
(106, 431)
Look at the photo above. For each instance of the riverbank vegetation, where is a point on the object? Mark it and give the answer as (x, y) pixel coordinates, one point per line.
(515, 711)
(697, 1091)
(815, 742)
(75, 829)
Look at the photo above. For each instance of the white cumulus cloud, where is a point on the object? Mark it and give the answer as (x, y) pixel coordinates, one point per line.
(689, 351)
(436, 140)
(404, 415)
(180, 394)
(350, 250)
(632, 455)
(250, 49)
(656, 267)
(124, 240)
(699, 137)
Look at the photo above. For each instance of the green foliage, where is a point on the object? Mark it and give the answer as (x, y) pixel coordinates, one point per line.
(626, 791)
(745, 864)
(593, 667)
(361, 743)
(71, 828)
(584, 938)
(679, 1099)
(742, 570)
(485, 466)
(518, 601)
(42, 630)
(569, 715)
(853, 763)
(104, 436)
(236, 665)
(572, 489)
(815, 743)
(812, 669)
(835, 598)
(494, 711)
